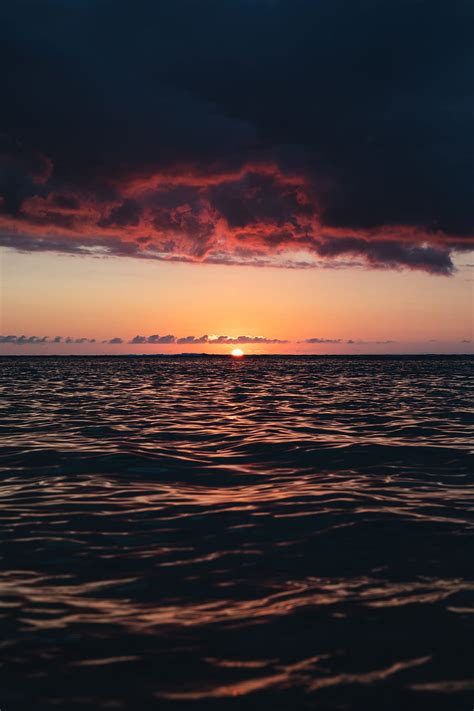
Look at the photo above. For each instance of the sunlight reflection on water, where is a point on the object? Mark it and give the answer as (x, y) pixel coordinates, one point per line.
(285, 532)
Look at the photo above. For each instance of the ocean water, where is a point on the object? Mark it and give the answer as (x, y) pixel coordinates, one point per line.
(219, 534)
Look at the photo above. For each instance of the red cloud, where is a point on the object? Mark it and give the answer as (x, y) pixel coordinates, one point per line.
(257, 215)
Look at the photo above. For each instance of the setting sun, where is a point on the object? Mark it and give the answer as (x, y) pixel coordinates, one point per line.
(237, 353)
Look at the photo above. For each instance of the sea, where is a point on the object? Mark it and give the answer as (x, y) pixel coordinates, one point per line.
(223, 534)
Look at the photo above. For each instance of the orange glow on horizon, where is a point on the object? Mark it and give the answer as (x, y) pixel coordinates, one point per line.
(342, 310)
(237, 353)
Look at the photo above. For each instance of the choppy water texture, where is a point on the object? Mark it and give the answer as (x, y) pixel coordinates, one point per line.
(216, 534)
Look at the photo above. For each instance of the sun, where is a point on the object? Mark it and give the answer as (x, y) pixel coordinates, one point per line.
(237, 353)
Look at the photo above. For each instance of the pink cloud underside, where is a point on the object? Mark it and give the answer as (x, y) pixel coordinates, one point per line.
(258, 215)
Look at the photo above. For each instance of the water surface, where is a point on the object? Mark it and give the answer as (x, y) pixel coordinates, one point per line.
(209, 533)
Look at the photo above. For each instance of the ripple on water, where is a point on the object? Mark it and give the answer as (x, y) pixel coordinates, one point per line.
(267, 533)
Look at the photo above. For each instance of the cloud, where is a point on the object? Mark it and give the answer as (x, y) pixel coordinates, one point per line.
(197, 340)
(149, 340)
(152, 339)
(243, 339)
(349, 341)
(192, 340)
(209, 143)
(211, 340)
(214, 340)
(161, 339)
(124, 215)
(390, 253)
(24, 340)
(35, 340)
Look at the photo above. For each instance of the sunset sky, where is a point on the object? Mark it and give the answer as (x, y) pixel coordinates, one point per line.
(293, 177)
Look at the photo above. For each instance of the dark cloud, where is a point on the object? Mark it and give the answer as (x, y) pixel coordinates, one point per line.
(65, 202)
(161, 339)
(155, 338)
(28, 340)
(256, 198)
(244, 339)
(128, 213)
(152, 340)
(192, 340)
(350, 341)
(24, 340)
(195, 340)
(291, 133)
(389, 253)
(214, 340)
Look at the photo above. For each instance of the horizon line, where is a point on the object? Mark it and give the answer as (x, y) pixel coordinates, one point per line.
(229, 355)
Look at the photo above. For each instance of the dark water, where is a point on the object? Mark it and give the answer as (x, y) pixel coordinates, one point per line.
(220, 534)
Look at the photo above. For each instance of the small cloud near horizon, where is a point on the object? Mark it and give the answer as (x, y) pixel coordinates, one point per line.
(210, 340)
(199, 340)
(321, 340)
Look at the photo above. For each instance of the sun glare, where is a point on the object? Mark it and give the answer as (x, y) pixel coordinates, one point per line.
(237, 353)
